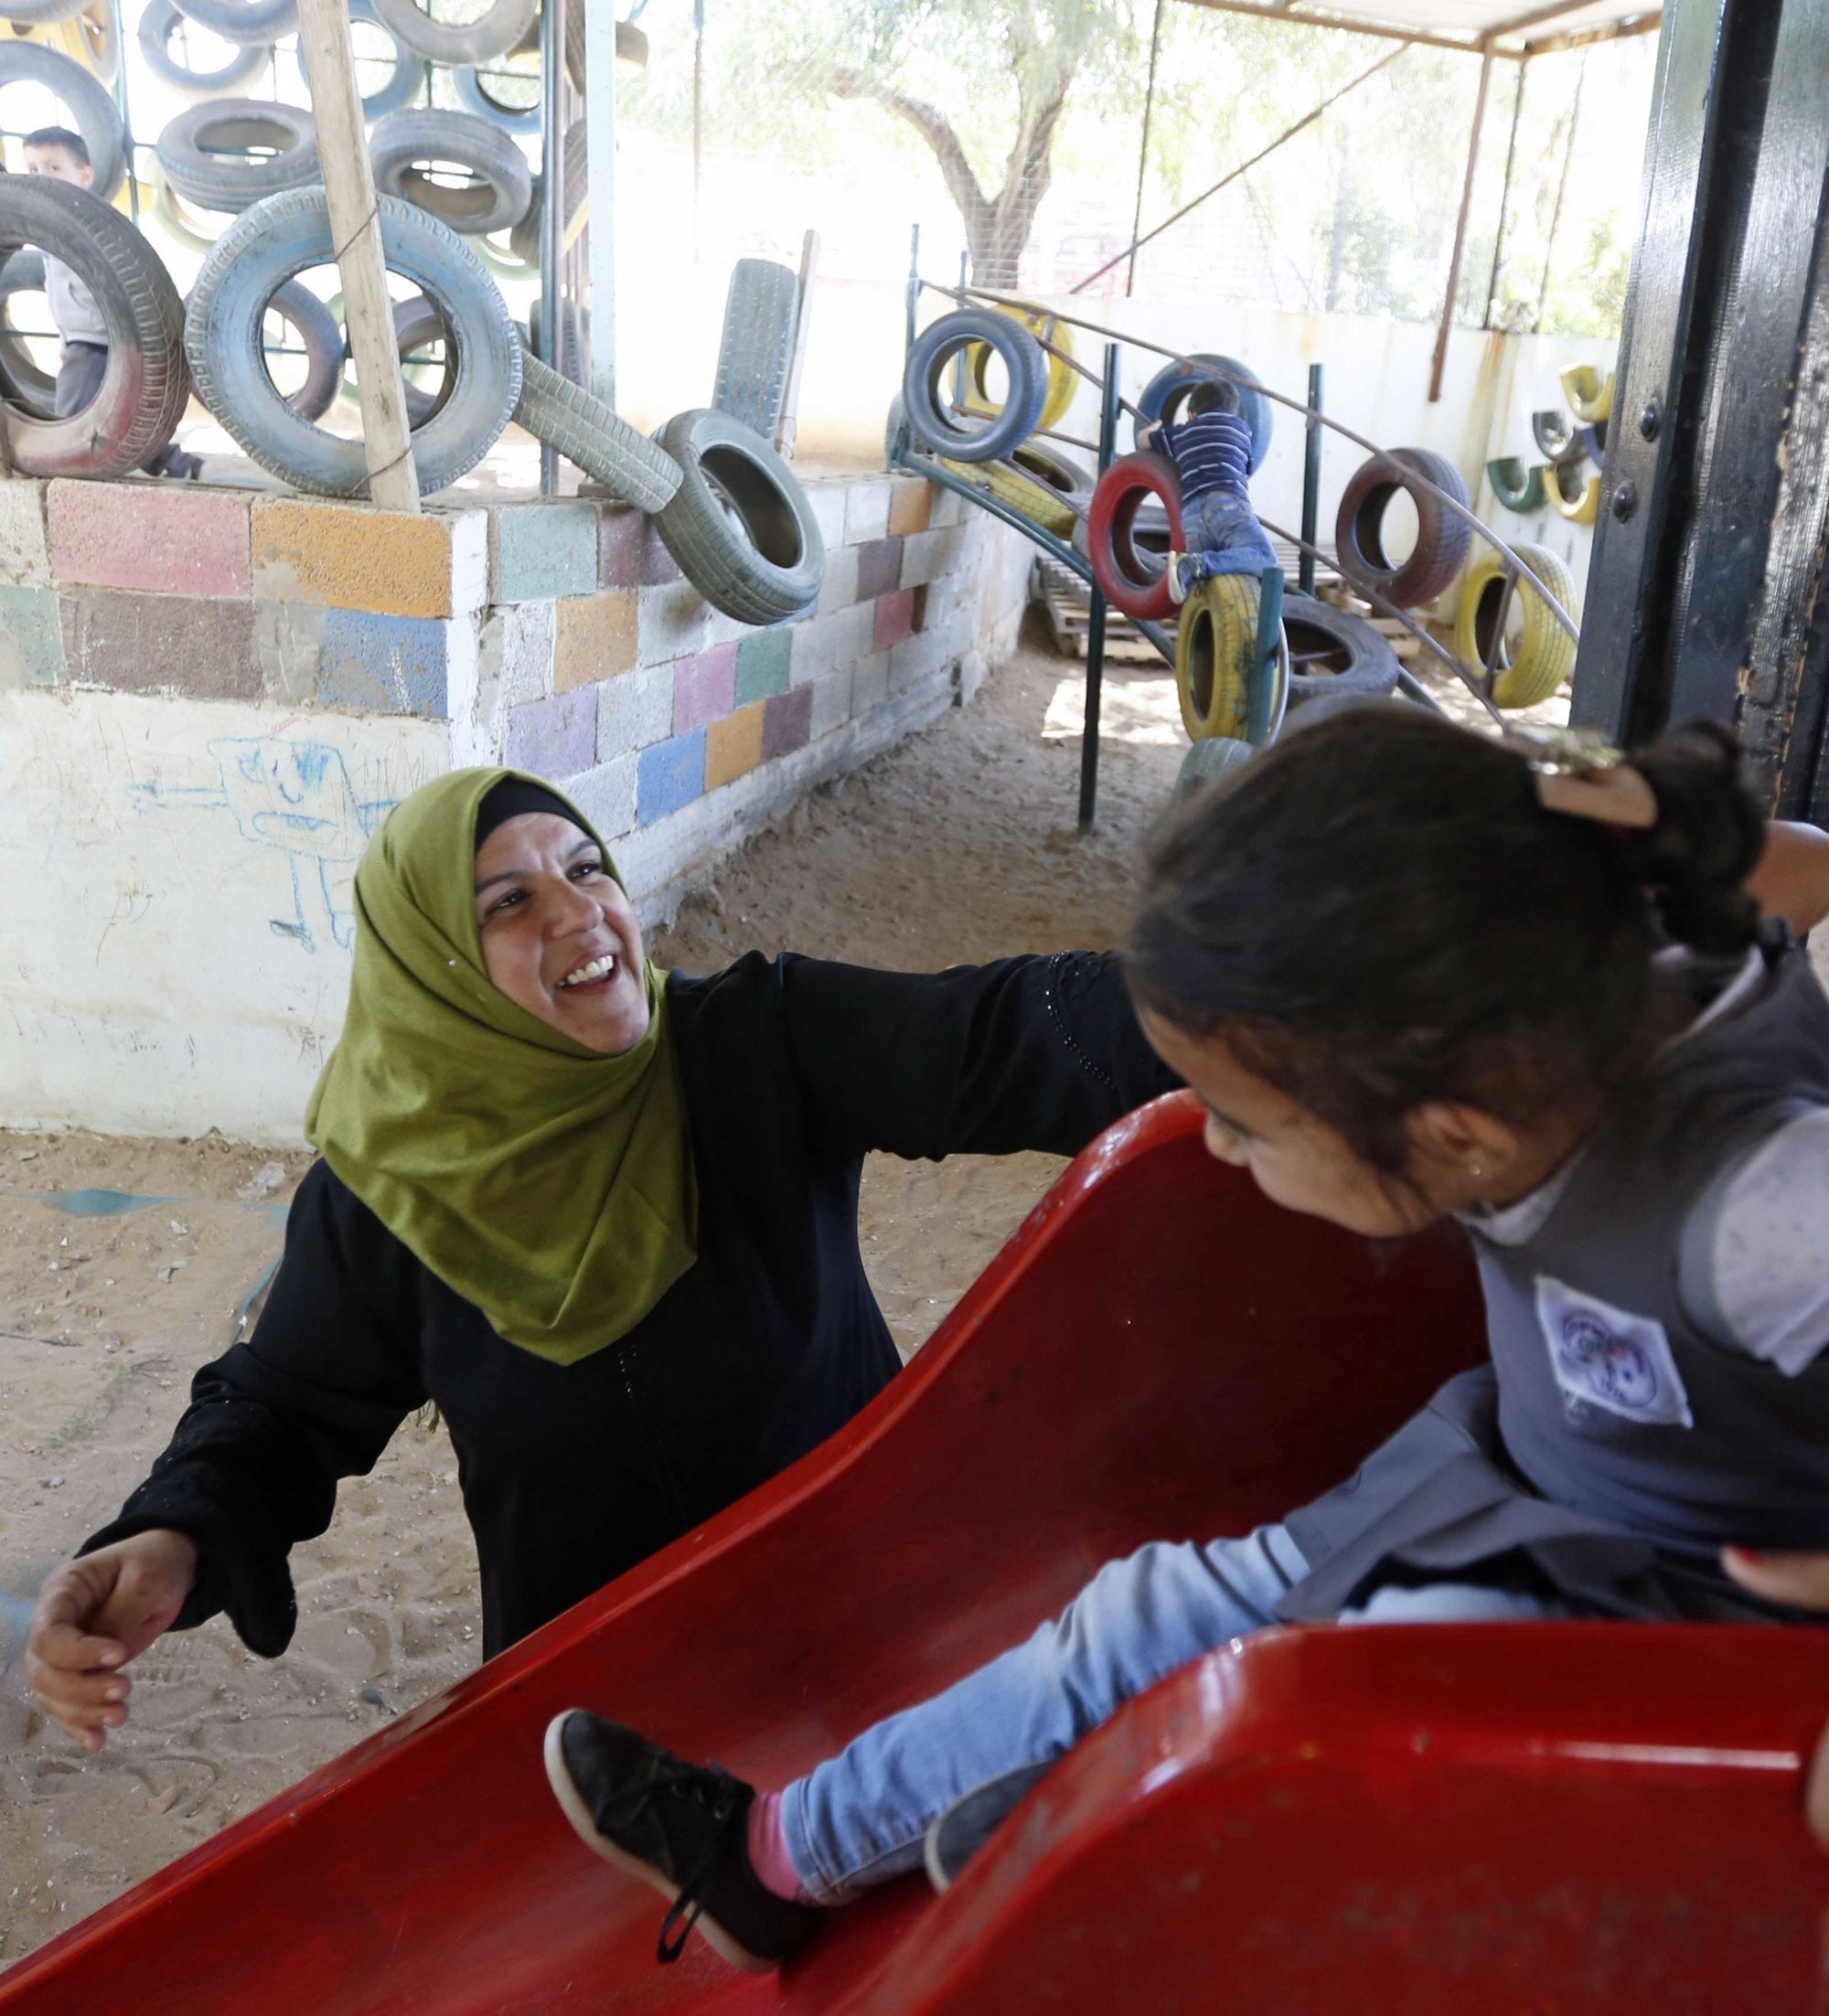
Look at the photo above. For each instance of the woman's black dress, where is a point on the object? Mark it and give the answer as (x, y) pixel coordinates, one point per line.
(793, 1069)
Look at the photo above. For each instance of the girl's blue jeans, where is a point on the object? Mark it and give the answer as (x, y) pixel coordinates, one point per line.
(860, 1816)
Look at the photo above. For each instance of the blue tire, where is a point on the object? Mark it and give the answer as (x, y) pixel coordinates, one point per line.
(402, 84)
(1168, 392)
(157, 26)
(475, 98)
(84, 97)
(930, 418)
(268, 245)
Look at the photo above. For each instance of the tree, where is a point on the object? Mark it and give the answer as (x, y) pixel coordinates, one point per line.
(1046, 45)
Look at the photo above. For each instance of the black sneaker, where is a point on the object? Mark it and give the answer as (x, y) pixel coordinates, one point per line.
(681, 1828)
(972, 1818)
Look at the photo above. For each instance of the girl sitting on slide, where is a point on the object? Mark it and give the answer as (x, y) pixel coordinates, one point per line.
(1410, 975)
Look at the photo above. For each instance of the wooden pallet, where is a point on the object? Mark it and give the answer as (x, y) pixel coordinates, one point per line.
(1068, 603)
(1405, 643)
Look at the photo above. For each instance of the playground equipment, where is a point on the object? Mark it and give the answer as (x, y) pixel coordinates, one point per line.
(991, 433)
(1595, 1819)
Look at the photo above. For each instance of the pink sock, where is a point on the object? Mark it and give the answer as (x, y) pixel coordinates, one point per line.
(767, 1846)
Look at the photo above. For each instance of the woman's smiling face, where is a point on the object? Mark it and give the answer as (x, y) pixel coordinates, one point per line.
(557, 936)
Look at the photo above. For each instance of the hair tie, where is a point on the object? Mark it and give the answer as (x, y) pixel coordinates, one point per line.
(1579, 773)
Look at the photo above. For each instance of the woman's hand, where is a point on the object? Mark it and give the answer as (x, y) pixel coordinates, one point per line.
(93, 1616)
(1803, 1580)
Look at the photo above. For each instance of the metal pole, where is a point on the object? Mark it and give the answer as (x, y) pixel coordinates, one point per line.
(960, 389)
(550, 348)
(1561, 191)
(1505, 196)
(913, 279)
(1310, 485)
(697, 112)
(1143, 151)
(600, 168)
(1441, 359)
(121, 106)
(1244, 167)
(1108, 440)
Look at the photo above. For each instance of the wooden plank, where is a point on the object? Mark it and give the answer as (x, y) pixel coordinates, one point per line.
(803, 322)
(355, 228)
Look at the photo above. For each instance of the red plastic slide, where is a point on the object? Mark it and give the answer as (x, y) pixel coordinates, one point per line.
(1529, 1818)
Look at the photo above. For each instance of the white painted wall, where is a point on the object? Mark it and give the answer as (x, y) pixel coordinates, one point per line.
(176, 945)
(175, 942)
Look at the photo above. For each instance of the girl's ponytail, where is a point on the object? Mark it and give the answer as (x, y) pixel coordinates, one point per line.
(1709, 838)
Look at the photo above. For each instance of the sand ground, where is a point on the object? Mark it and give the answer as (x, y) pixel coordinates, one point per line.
(960, 846)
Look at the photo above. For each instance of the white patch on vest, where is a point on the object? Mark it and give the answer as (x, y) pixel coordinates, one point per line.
(1609, 1357)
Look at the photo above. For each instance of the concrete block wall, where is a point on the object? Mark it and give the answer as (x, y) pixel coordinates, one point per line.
(209, 698)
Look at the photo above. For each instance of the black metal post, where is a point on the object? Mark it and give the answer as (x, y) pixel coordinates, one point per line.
(1708, 591)
(1305, 573)
(1108, 440)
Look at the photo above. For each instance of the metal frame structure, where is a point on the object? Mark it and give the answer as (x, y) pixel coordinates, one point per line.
(1706, 587)
(1513, 38)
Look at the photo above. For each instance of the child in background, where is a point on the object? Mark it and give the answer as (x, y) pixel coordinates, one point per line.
(57, 152)
(1575, 1036)
(1210, 450)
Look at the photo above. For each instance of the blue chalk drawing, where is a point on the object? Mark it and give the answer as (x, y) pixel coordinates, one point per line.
(295, 797)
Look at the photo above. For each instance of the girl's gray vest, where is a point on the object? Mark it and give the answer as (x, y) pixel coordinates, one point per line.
(1612, 1447)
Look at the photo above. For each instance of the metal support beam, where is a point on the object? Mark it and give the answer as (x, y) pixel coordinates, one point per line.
(1587, 38)
(551, 345)
(118, 28)
(1504, 198)
(1107, 440)
(1244, 167)
(1302, 17)
(1439, 362)
(1561, 193)
(1143, 154)
(1702, 152)
(600, 165)
(1708, 591)
(697, 113)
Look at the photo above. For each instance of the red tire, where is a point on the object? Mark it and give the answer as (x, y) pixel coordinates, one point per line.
(1132, 580)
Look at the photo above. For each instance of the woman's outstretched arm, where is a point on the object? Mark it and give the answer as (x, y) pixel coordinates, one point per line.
(1037, 1052)
(252, 1468)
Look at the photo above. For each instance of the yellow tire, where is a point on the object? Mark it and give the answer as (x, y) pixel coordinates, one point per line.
(1051, 491)
(1061, 376)
(1538, 653)
(1589, 396)
(1214, 649)
(1581, 506)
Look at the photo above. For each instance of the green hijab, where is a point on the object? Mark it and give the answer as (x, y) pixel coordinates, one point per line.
(548, 1184)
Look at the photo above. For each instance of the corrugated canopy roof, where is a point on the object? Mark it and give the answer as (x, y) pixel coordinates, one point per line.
(1513, 28)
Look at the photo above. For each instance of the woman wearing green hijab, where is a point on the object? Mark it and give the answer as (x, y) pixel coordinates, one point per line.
(604, 1217)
